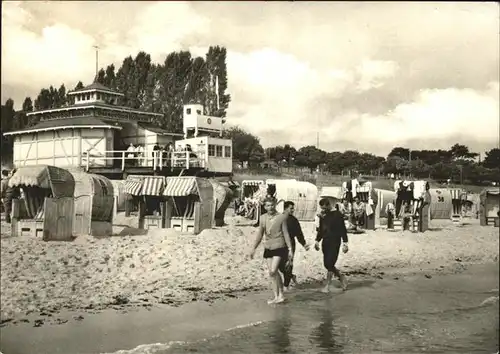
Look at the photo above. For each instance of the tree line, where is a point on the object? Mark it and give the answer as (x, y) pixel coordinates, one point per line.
(457, 163)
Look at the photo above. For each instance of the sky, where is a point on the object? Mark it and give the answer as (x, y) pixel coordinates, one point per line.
(364, 76)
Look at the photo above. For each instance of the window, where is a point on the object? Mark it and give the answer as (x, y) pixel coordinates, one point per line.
(188, 110)
(227, 151)
(211, 150)
(98, 95)
(198, 111)
(88, 97)
(219, 150)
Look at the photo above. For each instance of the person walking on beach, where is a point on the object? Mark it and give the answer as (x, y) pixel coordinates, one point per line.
(331, 233)
(295, 231)
(277, 245)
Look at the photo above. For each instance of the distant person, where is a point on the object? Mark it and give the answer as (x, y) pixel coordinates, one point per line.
(277, 246)
(390, 210)
(346, 209)
(407, 217)
(5, 185)
(331, 233)
(140, 155)
(156, 154)
(295, 231)
(358, 208)
(131, 150)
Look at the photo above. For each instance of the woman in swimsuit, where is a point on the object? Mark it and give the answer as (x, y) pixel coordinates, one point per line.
(277, 245)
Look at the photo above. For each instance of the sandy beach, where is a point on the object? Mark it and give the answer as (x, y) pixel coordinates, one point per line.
(165, 267)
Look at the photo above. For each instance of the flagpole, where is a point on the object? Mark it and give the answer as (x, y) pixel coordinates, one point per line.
(217, 90)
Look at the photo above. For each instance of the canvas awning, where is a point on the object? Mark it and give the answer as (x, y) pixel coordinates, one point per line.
(153, 186)
(181, 187)
(144, 185)
(60, 181)
(132, 186)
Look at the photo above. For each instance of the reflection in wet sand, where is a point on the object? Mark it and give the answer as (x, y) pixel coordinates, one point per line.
(327, 335)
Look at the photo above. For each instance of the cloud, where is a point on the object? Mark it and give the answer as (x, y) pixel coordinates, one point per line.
(373, 72)
(365, 76)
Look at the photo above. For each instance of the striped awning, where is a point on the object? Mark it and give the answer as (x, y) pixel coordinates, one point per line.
(181, 186)
(133, 187)
(152, 186)
(252, 183)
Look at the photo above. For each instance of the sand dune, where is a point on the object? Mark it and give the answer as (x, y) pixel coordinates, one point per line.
(167, 267)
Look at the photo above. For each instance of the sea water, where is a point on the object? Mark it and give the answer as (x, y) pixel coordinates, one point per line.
(442, 314)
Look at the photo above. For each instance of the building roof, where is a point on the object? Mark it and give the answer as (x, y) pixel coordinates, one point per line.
(67, 123)
(94, 105)
(95, 86)
(155, 129)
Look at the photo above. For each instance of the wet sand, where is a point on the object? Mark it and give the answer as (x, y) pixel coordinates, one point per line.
(183, 327)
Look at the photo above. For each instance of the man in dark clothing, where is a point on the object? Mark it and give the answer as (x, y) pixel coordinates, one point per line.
(332, 232)
(295, 231)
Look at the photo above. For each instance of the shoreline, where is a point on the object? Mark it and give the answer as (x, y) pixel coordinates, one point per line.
(135, 328)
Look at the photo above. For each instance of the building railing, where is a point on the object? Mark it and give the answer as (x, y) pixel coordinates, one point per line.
(157, 160)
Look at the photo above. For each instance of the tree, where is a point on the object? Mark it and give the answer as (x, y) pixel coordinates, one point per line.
(492, 159)
(79, 86)
(310, 156)
(174, 78)
(6, 125)
(110, 77)
(216, 68)
(461, 152)
(101, 77)
(27, 105)
(400, 152)
(246, 147)
(61, 97)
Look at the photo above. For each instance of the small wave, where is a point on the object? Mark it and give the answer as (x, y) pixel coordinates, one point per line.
(157, 347)
(490, 300)
(148, 348)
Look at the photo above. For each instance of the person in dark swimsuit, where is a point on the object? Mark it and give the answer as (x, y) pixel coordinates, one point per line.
(295, 231)
(331, 233)
(277, 245)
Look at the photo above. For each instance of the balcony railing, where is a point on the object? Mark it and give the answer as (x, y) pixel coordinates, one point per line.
(157, 160)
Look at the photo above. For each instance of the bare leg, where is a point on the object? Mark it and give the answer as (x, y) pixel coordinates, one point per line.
(342, 278)
(329, 276)
(277, 283)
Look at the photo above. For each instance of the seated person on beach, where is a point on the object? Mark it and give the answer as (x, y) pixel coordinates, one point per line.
(346, 209)
(358, 208)
(331, 233)
(277, 245)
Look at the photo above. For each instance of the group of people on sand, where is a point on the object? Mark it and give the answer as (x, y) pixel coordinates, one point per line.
(278, 232)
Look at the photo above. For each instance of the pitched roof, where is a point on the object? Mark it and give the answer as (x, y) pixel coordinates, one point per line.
(155, 129)
(55, 124)
(96, 86)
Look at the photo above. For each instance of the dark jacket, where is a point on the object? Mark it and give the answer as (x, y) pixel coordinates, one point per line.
(332, 228)
(295, 231)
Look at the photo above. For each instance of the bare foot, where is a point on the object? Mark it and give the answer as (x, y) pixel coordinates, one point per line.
(325, 290)
(343, 282)
(272, 301)
(294, 279)
(280, 299)
(286, 289)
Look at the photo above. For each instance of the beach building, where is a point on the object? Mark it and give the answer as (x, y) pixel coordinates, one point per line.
(97, 134)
